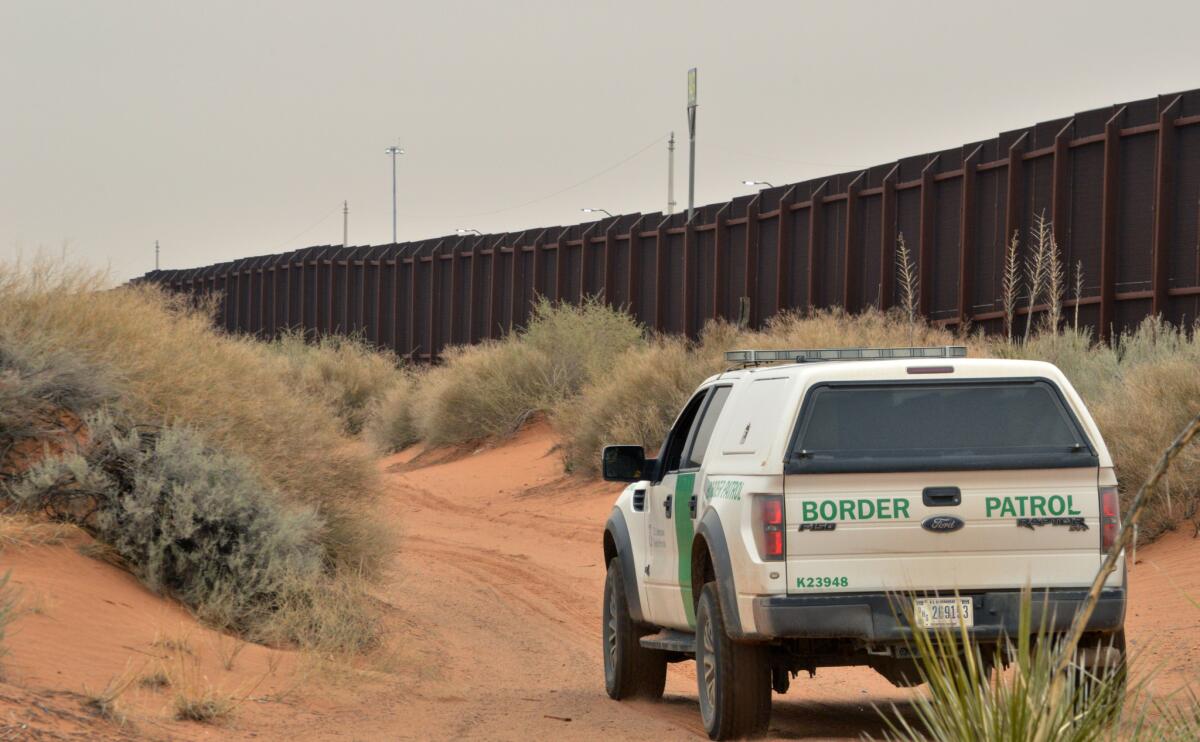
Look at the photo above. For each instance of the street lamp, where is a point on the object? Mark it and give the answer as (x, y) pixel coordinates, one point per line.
(460, 230)
(757, 183)
(393, 151)
(592, 211)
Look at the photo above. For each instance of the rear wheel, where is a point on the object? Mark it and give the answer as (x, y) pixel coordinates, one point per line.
(1103, 676)
(630, 670)
(733, 679)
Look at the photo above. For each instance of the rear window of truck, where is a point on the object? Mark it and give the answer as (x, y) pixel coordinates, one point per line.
(937, 425)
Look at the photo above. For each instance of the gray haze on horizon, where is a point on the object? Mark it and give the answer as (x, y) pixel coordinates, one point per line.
(230, 129)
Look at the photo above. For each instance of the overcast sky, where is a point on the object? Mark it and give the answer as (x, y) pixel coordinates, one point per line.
(229, 129)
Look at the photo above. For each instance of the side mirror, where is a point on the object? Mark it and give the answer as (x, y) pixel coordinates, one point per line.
(624, 463)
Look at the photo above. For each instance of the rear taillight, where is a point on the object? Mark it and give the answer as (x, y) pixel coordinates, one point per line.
(769, 526)
(1110, 517)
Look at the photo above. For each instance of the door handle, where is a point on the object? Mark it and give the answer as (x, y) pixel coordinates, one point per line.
(667, 505)
(941, 496)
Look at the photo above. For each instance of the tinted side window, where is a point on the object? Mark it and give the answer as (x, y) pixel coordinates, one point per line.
(673, 448)
(705, 430)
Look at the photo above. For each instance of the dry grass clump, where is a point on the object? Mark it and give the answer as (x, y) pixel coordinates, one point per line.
(195, 698)
(168, 364)
(638, 398)
(223, 484)
(1139, 389)
(156, 679)
(1137, 418)
(19, 530)
(392, 425)
(635, 402)
(191, 521)
(348, 374)
(106, 702)
(489, 390)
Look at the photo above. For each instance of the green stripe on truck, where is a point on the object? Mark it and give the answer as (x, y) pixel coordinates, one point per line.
(684, 531)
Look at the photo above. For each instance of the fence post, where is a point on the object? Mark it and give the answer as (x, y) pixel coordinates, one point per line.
(783, 262)
(720, 259)
(849, 269)
(660, 268)
(966, 239)
(560, 265)
(750, 280)
(1108, 223)
(632, 284)
(887, 238)
(925, 248)
(816, 233)
(1163, 196)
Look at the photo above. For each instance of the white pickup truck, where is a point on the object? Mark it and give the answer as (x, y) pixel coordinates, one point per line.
(801, 494)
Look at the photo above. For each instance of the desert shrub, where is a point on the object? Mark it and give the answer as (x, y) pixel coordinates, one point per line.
(483, 391)
(1139, 389)
(489, 390)
(580, 341)
(169, 365)
(637, 399)
(348, 374)
(1031, 700)
(192, 522)
(635, 402)
(1138, 418)
(39, 382)
(392, 424)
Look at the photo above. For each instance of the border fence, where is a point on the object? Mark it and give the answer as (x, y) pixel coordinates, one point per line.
(1120, 184)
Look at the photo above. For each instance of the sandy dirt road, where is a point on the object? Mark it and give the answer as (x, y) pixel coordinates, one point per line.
(493, 612)
(501, 575)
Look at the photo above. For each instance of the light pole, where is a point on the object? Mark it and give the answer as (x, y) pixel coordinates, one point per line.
(460, 230)
(592, 211)
(757, 183)
(671, 175)
(691, 110)
(393, 151)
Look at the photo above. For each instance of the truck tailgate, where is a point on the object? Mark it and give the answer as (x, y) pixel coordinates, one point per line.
(902, 531)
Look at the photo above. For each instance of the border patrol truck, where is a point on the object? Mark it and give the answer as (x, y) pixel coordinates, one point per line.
(806, 503)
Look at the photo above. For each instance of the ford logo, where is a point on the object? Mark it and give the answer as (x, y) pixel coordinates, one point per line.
(942, 523)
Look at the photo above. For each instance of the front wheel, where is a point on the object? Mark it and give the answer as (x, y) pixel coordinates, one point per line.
(630, 670)
(733, 679)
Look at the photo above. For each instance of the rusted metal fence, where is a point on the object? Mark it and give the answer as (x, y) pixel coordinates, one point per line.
(1121, 185)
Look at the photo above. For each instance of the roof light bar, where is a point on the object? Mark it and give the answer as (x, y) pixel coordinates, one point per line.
(749, 357)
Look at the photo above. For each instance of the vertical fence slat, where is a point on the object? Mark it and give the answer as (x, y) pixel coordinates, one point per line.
(816, 230)
(887, 239)
(849, 265)
(750, 285)
(966, 239)
(1108, 223)
(1163, 194)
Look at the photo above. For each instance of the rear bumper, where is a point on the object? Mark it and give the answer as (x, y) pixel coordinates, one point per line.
(877, 617)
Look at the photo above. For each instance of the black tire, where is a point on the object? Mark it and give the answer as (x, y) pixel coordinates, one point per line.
(1092, 683)
(630, 670)
(733, 679)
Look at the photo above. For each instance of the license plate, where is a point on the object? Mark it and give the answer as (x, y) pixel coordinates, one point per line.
(932, 613)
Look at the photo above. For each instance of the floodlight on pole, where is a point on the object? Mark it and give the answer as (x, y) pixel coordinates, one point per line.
(393, 151)
(757, 183)
(592, 211)
(460, 230)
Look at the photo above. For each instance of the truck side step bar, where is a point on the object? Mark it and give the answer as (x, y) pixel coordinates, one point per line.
(671, 641)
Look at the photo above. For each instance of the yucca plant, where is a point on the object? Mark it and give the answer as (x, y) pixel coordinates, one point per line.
(969, 700)
(1045, 694)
